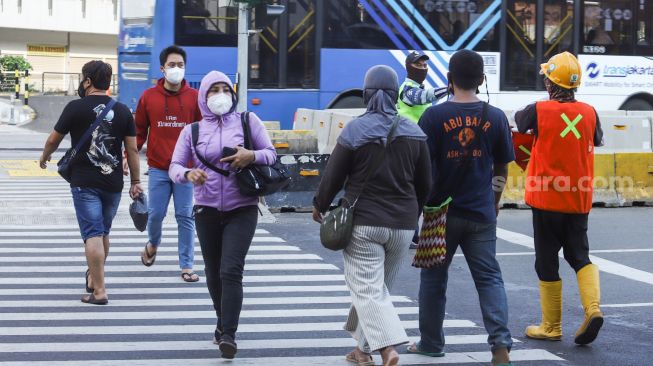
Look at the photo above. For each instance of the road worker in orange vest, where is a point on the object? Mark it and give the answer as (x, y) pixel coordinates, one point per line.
(559, 191)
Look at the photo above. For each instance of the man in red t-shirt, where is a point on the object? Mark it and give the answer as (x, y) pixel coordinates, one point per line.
(161, 114)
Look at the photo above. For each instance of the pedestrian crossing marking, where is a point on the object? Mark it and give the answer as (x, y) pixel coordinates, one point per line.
(450, 358)
(300, 302)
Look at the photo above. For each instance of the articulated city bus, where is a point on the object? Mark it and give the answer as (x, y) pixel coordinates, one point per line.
(315, 54)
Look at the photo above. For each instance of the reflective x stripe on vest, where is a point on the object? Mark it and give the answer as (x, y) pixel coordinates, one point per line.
(413, 113)
(571, 126)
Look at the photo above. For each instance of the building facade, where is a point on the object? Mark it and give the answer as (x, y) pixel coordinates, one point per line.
(58, 37)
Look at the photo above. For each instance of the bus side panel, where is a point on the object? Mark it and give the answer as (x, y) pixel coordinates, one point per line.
(344, 69)
(132, 83)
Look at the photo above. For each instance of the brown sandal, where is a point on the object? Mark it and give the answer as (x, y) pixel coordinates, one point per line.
(351, 357)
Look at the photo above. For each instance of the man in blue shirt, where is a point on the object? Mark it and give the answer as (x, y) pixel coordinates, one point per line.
(470, 146)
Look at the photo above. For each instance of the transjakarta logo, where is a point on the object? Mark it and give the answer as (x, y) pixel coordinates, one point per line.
(592, 70)
(624, 71)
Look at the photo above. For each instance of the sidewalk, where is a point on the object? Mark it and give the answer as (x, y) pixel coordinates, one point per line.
(16, 114)
(16, 138)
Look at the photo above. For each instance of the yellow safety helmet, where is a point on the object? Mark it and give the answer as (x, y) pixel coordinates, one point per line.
(563, 70)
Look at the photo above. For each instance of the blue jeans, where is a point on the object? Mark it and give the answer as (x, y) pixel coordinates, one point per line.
(95, 209)
(478, 242)
(160, 188)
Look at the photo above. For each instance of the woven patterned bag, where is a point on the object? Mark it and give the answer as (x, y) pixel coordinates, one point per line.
(432, 243)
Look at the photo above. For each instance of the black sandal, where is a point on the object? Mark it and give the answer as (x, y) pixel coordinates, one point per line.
(188, 276)
(88, 289)
(149, 256)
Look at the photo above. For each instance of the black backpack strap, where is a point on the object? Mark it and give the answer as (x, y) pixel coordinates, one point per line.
(244, 118)
(195, 133)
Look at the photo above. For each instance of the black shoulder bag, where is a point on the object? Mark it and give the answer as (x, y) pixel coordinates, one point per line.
(337, 226)
(64, 165)
(253, 180)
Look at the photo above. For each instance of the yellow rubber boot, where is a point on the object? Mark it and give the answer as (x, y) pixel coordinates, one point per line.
(590, 297)
(550, 328)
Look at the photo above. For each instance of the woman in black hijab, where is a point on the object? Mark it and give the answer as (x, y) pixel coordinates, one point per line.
(385, 214)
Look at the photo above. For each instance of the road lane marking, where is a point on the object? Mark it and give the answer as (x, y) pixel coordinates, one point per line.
(449, 358)
(171, 290)
(604, 265)
(200, 329)
(148, 280)
(633, 305)
(208, 346)
(165, 267)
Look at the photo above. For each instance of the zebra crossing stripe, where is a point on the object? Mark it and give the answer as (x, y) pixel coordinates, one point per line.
(74, 232)
(257, 239)
(138, 248)
(142, 279)
(159, 258)
(172, 315)
(191, 302)
(198, 329)
(170, 267)
(449, 358)
(208, 346)
(199, 289)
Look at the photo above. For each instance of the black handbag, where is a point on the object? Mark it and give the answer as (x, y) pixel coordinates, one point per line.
(336, 228)
(64, 165)
(253, 180)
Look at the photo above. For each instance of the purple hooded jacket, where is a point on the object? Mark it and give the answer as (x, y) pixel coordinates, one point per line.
(215, 133)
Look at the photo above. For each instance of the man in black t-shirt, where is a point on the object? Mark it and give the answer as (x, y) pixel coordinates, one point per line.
(97, 179)
(470, 145)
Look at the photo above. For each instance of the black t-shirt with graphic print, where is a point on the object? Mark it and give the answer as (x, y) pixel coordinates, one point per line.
(98, 163)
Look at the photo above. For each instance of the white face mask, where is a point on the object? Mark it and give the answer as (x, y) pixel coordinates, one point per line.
(220, 103)
(174, 75)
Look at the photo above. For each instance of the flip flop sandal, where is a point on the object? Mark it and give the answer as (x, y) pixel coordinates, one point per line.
(88, 289)
(92, 300)
(149, 257)
(414, 349)
(228, 348)
(351, 357)
(188, 276)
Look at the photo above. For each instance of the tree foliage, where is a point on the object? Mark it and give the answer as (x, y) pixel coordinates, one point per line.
(13, 63)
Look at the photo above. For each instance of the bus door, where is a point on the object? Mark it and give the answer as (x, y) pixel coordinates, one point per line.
(283, 52)
(534, 31)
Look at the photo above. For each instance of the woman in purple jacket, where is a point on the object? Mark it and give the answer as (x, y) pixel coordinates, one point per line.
(225, 220)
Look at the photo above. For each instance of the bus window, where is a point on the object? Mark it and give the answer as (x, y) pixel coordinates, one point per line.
(301, 45)
(351, 24)
(282, 53)
(264, 50)
(558, 26)
(609, 27)
(451, 20)
(206, 23)
(137, 12)
(521, 68)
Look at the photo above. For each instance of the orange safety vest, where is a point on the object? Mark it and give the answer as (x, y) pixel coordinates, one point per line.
(561, 169)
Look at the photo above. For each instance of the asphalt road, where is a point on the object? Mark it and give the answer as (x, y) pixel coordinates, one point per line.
(627, 336)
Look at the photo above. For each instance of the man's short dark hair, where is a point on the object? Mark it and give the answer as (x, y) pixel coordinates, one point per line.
(466, 69)
(163, 56)
(99, 72)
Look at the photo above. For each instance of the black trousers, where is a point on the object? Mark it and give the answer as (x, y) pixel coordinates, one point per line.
(225, 238)
(555, 230)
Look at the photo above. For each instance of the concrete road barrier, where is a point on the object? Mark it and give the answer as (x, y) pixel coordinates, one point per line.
(294, 141)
